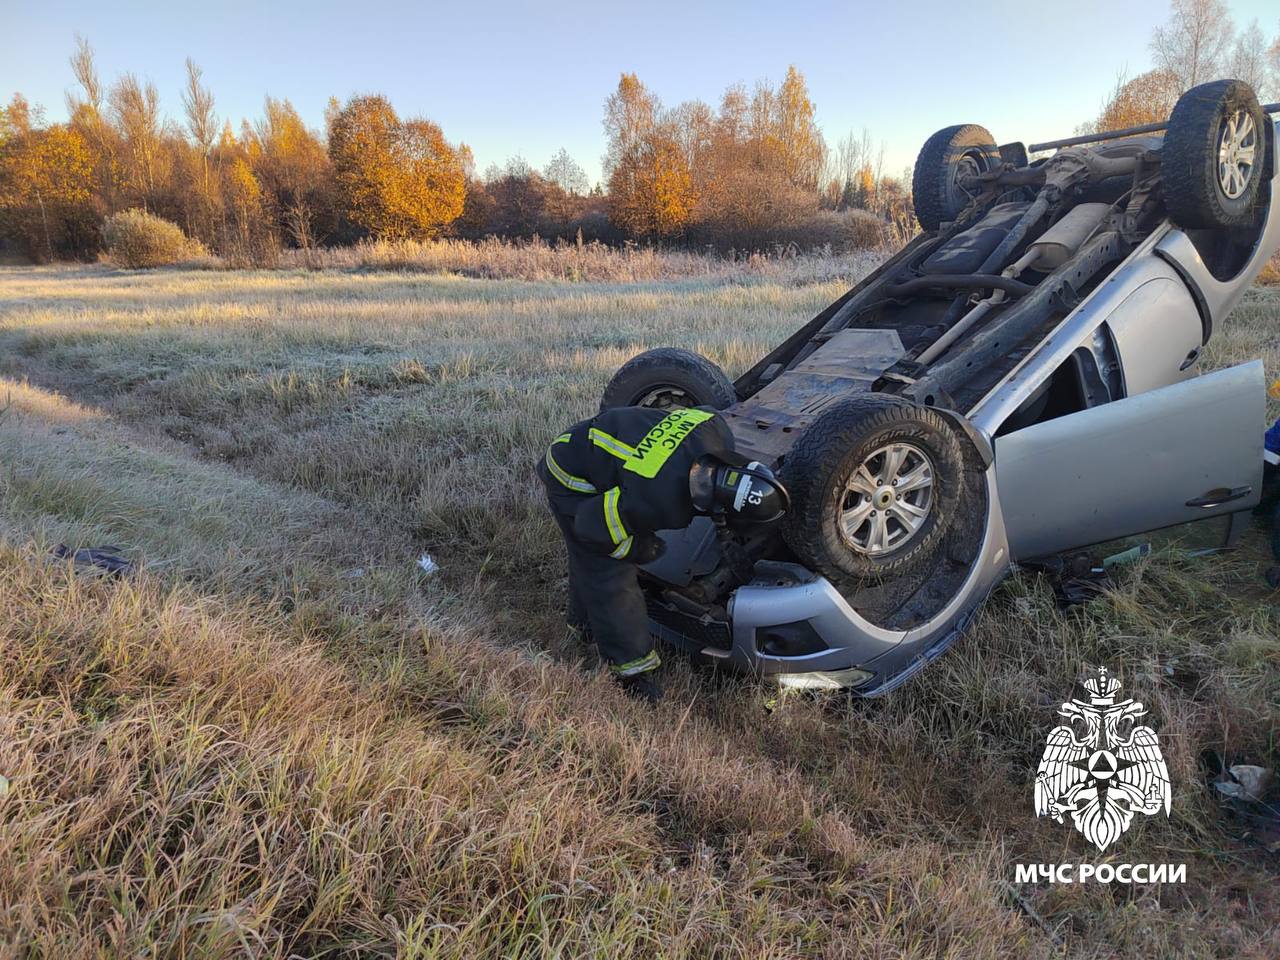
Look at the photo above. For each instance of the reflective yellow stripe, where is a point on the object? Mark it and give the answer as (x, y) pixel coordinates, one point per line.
(660, 442)
(563, 438)
(613, 519)
(623, 549)
(611, 444)
(576, 484)
(643, 664)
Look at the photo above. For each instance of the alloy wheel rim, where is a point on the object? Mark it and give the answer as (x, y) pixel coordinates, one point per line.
(887, 500)
(1237, 149)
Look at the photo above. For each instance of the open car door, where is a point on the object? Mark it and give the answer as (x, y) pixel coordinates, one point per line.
(1180, 453)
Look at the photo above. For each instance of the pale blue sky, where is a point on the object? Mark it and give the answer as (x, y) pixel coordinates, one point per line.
(527, 78)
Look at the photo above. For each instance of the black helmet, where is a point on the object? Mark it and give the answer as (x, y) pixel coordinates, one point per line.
(750, 493)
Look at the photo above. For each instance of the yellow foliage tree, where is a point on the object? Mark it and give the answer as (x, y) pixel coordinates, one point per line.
(396, 180)
(246, 236)
(1147, 98)
(651, 183)
(45, 201)
(761, 164)
(291, 165)
(671, 189)
(803, 147)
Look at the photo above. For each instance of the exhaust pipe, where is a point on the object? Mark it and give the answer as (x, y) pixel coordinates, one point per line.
(1060, 242)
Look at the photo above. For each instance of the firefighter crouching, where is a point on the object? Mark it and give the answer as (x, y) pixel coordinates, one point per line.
(615, 480)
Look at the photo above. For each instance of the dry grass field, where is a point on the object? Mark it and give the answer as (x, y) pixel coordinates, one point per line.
(281, 739)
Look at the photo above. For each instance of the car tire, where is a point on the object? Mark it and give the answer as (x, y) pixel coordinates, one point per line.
(823, 527)
(1199, 192)
(669, 378)
(935, 192)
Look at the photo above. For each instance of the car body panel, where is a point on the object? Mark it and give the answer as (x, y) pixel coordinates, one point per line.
(1134, 465)
(1157, 333)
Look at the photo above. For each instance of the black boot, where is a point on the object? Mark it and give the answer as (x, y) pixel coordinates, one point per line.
(641, 686)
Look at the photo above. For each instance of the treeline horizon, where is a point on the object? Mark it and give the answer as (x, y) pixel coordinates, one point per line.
(753, 173)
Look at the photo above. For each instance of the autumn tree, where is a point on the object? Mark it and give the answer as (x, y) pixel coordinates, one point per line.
(293, 168)
(651, 189)
(88, 118)
(667, 179)
(246, 234)
(803, 148)
(760, 171)
(395, 179)
(651, 195)
(45, 174)
(477, 207)
(855, 171)
(517, 200)
(202, 127)
(630, 115)
(135, 108)
(1147, 98)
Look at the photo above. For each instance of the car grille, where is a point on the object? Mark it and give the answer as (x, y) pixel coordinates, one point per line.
(695, 631)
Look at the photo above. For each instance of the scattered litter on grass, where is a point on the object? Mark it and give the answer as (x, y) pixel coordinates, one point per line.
(1247, 782)
(1073, 577)
(104, 561)
(4, 786)
(427, 565)
(1076, 579)
(1246, 794)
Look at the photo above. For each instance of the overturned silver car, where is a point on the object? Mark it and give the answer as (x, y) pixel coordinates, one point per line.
(1020, 380)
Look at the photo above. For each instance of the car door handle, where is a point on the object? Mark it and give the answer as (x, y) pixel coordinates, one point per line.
(1216, 498)
(1192, 357)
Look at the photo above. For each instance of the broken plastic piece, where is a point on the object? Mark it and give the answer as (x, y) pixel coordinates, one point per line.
(1124, 557)
(427, 565)
(1248, 782)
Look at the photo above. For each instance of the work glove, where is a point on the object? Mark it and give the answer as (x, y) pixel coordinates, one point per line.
(646, 549)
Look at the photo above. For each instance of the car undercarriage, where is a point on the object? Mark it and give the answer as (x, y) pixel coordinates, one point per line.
(1049, 308)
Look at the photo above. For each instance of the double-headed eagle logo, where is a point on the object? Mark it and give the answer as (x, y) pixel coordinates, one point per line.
(1102, 775)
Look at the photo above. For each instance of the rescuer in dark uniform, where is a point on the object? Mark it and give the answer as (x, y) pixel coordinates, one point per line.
(612, 482)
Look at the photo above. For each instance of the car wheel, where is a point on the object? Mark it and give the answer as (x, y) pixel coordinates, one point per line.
(1214, 156)
(940, 185)
(874, 483)
(669, 379)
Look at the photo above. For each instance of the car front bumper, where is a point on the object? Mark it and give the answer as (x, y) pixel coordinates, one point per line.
(787, 605)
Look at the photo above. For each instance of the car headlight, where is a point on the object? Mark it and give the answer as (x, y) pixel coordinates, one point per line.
(824, 679)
